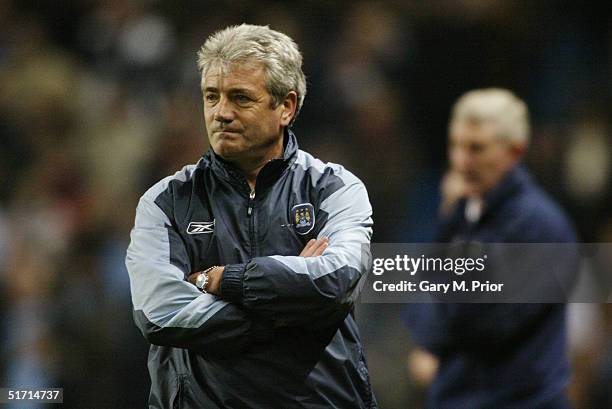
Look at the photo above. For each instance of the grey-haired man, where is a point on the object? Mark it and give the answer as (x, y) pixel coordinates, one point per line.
(496, 355)
(245, 266)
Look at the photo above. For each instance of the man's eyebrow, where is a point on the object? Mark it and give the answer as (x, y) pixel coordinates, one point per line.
(240, 91)
(231, 90)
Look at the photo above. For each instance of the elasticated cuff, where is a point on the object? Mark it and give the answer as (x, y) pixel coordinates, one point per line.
(231, 283)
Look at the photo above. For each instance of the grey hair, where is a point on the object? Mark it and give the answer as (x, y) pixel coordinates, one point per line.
(278, 52)
(498, 106)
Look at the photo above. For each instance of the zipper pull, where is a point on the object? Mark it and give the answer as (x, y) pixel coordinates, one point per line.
(251, 197)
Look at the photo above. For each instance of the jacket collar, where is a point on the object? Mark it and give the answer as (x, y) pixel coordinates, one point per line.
(267, 175)
(510, 184)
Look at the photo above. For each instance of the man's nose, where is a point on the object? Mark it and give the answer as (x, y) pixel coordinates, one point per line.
(224, 112)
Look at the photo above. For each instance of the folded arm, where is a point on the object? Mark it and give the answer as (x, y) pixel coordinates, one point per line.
(169, 310)
(314, 291)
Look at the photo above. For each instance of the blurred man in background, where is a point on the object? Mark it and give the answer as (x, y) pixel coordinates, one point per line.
(493, 355)
(245, 266)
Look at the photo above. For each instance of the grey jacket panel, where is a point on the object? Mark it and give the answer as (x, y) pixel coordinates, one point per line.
(282, 334)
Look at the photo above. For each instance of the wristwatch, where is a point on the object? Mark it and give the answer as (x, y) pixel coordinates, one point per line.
(202, 279)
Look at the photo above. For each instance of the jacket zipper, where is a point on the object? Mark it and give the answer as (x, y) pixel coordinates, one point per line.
(251, 221)
(251, 202)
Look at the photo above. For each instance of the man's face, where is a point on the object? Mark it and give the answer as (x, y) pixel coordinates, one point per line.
(479, 156)
(241, 122)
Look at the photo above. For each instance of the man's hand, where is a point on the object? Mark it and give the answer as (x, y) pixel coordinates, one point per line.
(453, 188)
(422, 367)
(214, 279)
(315, 247)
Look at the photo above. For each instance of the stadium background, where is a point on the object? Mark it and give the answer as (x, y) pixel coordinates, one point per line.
(100, 99)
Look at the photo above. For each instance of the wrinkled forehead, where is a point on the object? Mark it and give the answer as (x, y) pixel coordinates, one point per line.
(471, 131)
(249, 70)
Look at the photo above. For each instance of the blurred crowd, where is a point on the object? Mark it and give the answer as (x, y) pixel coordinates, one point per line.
(100, 98)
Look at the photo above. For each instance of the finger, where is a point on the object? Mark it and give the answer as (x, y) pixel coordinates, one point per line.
(192, 278)
(306, 251)
(310, 243)
(319, 247)
(311, 248)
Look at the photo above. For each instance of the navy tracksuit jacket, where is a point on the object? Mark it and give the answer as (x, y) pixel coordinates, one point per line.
(499, 355)
(282, 332)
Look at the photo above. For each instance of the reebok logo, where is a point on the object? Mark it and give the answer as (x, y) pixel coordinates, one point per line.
(201, 227)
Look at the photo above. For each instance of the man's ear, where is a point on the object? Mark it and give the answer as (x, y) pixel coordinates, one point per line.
(289, 106)
(518, 150)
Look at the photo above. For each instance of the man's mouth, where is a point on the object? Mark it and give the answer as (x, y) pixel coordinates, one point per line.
(227, 133)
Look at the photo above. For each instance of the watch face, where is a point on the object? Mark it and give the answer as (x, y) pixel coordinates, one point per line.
(201, 281)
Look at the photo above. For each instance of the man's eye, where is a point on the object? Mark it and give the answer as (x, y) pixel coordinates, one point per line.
(242, 99)
(211, 97)
(476, 147)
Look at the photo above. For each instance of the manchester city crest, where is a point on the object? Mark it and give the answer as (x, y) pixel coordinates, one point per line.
(303, 218)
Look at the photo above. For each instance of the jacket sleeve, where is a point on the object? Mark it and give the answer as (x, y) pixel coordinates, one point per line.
(170, 311)
(319, 291)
